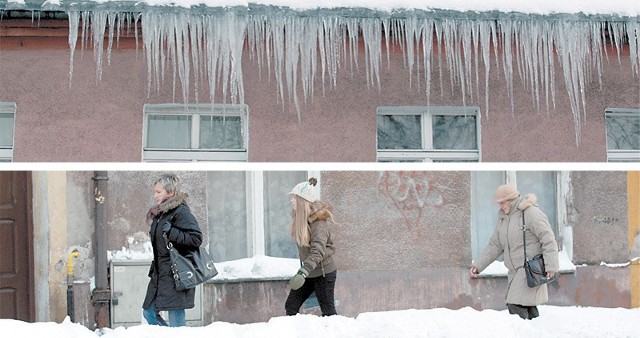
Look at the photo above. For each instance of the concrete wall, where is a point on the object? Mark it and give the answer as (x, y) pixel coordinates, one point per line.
(102, 120)
(600, 223)
(368, 291)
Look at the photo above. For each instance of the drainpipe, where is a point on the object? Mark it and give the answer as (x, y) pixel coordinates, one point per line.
(101, 296)
(70, 306)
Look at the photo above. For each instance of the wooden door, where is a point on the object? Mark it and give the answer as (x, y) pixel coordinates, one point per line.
(16, 267)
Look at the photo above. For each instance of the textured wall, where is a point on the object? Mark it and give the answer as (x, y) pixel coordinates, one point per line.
(400, 220)
(130, 195)
(89, 120)
(600, 224)
(367, 291)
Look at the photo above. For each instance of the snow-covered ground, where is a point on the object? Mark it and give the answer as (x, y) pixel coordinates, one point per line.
(553, 322)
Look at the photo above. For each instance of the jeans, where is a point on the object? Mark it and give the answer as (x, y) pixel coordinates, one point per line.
(525, 312)
(176, 317)
(323, 286)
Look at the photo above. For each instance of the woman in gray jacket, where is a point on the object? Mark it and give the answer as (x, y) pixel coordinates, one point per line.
(507, 239)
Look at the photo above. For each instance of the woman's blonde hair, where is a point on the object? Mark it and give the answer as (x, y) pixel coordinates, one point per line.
(300, 222)
(300, 232)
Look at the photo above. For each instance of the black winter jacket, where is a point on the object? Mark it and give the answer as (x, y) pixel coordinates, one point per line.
(185, 234)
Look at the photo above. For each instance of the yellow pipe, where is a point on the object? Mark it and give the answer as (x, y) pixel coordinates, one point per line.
(633, 193)
(74, 254)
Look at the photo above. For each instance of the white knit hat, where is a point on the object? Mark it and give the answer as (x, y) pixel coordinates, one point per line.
(306, 190)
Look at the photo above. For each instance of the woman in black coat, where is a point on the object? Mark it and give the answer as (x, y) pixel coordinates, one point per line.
(170, 215)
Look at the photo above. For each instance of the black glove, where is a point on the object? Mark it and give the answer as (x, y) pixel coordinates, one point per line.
(166, 226)
(297, 280)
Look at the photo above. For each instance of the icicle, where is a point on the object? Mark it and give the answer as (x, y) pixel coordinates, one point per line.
(506, 28)
(74, 19)
(427, 52)
(485, 29)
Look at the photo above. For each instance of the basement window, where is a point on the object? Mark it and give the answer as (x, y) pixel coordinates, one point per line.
(7, 127)
(623, 134)
(428, 134)
(195, 132)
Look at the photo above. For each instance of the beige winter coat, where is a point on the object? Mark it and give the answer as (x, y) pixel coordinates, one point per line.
(507, 239)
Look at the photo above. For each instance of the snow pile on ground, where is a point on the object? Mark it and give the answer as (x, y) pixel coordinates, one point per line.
(553, 322)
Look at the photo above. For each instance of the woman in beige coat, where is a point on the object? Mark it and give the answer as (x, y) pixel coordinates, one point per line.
(507, 239)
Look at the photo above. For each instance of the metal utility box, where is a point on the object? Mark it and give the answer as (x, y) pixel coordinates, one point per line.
(129, 280)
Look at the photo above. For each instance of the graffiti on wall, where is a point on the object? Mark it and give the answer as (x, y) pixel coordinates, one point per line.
(411, 193)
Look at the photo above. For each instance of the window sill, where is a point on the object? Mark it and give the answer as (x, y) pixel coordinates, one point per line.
(498, 269)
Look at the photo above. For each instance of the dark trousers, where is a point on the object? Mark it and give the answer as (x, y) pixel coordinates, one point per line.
(324, 288)
(525, 312)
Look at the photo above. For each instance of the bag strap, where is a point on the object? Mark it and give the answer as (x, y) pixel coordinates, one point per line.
(164, 234)
(524, 238)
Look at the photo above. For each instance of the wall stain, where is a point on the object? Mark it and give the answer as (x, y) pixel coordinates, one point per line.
(411, 193)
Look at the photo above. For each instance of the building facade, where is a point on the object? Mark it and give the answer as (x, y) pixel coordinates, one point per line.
(405, 239)
(278, 85)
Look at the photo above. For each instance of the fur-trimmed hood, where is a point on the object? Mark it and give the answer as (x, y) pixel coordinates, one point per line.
(173, 202)
(167, 205)
(528, 200)
(320, 212)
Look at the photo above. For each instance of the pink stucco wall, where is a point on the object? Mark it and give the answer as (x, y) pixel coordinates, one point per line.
(90, 120)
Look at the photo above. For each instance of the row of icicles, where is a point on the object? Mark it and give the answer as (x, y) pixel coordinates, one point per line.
(200, 48)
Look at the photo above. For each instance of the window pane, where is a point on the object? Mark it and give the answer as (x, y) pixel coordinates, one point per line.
(454, 132)
(623, 132)
(227, 209)
(220, 132)
(399, 132)
(484, 215)
(6, 130)
(543, 185)
(169, 132)
(277, 212)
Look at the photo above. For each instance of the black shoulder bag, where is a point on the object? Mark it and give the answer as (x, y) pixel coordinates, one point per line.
(191, 269)
(534, 268)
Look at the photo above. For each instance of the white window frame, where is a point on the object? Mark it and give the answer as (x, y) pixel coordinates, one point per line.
(564, 235)
(427, 153)
(6, 152)
(616, 155)
(255, 202)
(195, 154)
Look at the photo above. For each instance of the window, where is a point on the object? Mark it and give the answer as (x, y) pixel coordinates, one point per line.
(546, 185)
(428, 134)
(250, 213)
(195, 132)
(7, 126)
(623, 134)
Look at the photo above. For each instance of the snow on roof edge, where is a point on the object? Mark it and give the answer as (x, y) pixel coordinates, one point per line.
(440, 8)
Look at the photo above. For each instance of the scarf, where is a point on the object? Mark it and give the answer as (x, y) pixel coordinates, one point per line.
(159, 208)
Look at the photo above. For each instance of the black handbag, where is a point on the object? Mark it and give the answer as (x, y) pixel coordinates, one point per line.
(191, 269)
(534, 268)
